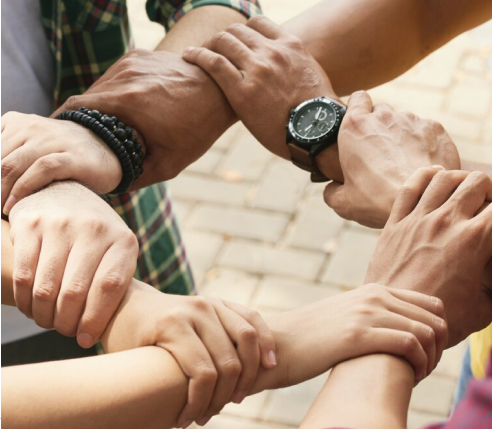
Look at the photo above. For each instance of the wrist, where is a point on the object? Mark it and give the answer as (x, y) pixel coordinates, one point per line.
(128, 327)
(105, 161)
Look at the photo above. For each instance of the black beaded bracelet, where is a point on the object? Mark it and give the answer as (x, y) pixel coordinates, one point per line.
(120, 139)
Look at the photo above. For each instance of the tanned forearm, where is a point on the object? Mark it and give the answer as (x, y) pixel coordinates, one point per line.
(365, 43)
(198, 26)
(368, 392)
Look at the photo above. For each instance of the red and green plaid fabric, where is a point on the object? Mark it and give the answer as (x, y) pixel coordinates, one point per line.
(86, 38)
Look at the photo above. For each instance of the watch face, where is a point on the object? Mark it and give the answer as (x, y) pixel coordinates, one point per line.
(314, 120)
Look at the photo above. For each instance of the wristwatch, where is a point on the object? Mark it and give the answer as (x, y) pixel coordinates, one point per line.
(312, 127)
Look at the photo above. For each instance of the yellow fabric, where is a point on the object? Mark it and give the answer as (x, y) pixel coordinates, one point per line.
(480, 346)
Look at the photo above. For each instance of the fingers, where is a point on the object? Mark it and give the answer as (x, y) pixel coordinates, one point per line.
(245, 337)
(440, 190)
(27, 246)
(405, 344)
(381, 107)
(431, 330)
(360, 103)
(336, 198)
(41, 172)
(472, 192)
(49, 274)
(81, 266)
(266, 27)
(226, 362)
(217, 66)
(432, 305)
(251, 38)
(111, 280)
(266, 340)
(410, 193)
(231, 48)
(13, 166)
(196, 362)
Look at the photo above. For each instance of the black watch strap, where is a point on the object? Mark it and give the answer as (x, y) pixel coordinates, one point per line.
(303, 159)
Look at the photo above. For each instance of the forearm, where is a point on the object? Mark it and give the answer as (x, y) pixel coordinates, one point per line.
(139, 388)
(364, 43)
(198, 26)
(368, 392)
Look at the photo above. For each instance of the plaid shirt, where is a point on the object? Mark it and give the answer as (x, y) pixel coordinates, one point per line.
(86, 37)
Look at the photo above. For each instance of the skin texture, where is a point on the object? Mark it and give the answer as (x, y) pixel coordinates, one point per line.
(328, 32)
(70, 272)
(369, 319)
(262, 68)
(445, 203)
(439, 216)
(32, 157)
(379, 149)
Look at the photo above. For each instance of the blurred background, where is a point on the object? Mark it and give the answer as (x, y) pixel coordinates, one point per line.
(258, 232)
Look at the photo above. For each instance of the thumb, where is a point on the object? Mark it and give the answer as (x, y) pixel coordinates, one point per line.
(335, 197)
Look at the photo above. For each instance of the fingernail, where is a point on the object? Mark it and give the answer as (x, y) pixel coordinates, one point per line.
(11, 200)
(188, 50)
(85, 340)
(438, 167)
(238, 397)
(272, 358)
(204, 421)
(186, 424)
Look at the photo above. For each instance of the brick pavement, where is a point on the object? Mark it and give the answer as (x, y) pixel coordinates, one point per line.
(258, 233)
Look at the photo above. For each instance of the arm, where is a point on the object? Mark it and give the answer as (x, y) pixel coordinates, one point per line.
(199, 25)
(364, 43)
(102, 394)
(368, 392)
(374, 391)
(139, 388)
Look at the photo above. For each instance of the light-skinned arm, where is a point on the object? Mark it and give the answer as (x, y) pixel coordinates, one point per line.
(183, 96)
(437, 241)
(352, 322)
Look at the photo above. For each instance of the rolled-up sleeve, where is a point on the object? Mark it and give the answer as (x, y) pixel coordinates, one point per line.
(169, 12)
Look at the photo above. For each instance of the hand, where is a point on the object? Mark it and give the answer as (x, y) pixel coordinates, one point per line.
(379, 149)
(37, 151)
(176, 107)
(73, 260)
(264, 72)
(370, 319)
(219, 345)
(436, 243)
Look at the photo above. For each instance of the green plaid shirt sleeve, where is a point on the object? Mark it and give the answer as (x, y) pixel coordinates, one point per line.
(170, 12)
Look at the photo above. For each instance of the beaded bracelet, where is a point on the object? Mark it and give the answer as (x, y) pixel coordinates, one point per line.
(120, 139)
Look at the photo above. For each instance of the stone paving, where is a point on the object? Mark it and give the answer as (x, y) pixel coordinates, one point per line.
(258, 233)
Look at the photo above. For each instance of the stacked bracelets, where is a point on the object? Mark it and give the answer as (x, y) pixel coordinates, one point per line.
(117, 136)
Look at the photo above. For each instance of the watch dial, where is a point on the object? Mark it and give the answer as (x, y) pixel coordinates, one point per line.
(314, 120)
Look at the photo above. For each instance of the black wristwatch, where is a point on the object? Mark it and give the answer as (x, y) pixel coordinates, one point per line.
(312, 127)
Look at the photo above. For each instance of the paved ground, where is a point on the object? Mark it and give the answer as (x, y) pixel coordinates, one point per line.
(258, 232)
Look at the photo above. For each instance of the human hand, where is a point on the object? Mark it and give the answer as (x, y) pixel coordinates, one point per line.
(436, 243)
(179, 111)
(264, 72)
(37, 151)
(366, 320)
(219, 345)
(73, 260)
(379, 149)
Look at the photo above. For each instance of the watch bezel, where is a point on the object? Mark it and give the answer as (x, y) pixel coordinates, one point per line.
(311, 141)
